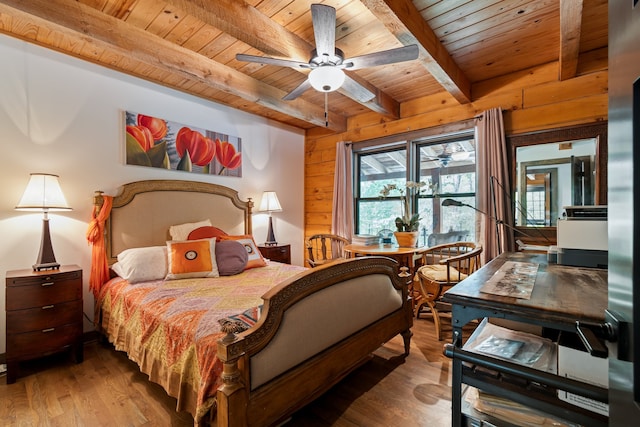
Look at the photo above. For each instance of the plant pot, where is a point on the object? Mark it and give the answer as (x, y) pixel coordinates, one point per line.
(406, 239)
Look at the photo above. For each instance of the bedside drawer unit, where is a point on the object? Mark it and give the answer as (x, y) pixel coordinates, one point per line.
(279, 253)
(44, 315)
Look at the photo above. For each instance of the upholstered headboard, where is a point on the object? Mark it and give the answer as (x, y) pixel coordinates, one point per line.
(143, 211)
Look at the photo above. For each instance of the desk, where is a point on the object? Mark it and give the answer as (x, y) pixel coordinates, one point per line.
(404, 256)
(561, 295)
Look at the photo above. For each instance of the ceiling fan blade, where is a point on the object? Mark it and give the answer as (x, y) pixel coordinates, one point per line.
(271, 61)
(324, 29)
(356, 90)
(391, 56)
(302, 87)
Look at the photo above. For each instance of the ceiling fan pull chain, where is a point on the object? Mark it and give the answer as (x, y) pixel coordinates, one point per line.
(326, 109)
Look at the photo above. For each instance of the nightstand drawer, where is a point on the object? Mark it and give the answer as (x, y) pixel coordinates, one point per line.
(42, 277)
(43, 292)
(42, 342)
(44, 317)
(279, 253)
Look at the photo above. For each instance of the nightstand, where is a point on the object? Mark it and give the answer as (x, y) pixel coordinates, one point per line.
(277, 253)
(44, 315)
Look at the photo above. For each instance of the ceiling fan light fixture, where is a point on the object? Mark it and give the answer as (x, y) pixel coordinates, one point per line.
(326, 78)
(460, 155)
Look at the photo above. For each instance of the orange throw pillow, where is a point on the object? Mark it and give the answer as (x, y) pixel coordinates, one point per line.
(191, 258)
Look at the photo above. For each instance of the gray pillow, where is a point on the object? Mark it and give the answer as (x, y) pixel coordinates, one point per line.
(231, 257)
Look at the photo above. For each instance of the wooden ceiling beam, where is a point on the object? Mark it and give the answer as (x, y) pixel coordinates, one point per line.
(249, 25)
(77, 20)
(252, 27)
(570, 32)
(403, 19)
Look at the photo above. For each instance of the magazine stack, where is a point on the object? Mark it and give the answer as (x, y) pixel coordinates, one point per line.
(365, 240)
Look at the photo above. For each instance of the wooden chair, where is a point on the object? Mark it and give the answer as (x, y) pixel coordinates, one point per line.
(324, 248)
(442, 267)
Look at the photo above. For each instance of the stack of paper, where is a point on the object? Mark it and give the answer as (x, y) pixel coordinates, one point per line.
(365, 239)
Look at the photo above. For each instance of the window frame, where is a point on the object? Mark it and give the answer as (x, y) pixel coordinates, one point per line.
(411, 144)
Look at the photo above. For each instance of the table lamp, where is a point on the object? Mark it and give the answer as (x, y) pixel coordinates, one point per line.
(43, 193)
(270, 203)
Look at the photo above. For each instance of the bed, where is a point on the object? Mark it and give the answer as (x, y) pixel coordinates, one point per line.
(248, 348)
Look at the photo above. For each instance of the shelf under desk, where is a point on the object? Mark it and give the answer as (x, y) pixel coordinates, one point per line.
(561, 295)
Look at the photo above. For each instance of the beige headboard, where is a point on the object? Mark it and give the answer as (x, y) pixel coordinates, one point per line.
(143, 211)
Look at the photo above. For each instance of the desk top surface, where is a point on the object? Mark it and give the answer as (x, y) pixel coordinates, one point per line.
(571, 292)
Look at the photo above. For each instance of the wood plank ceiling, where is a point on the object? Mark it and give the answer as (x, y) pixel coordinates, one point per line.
(190, 45)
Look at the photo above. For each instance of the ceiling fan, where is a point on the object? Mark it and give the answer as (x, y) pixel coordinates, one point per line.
(328, 62)
(451, 151)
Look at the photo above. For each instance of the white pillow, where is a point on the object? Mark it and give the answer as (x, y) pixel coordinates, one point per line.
(142, 264)
(181, 231)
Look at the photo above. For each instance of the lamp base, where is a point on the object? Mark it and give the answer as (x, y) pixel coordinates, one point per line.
(271, 238)
(46, 258)
(46, 266)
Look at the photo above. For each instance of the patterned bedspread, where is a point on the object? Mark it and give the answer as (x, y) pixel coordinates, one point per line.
(170, 328)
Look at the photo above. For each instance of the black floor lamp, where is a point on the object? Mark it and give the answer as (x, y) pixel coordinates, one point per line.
(451, 202)
(43, 193)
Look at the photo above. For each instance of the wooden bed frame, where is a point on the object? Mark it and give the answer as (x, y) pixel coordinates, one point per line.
(314, 329)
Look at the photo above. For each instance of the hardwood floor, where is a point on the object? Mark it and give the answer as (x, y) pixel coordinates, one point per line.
(108, 390)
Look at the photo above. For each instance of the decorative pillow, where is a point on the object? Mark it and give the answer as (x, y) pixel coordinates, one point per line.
(438, 272)
(231, 257)
(255, 257)
(241, 322)
(191, 258)
(206, 232)
(181, 231)
(142, 264)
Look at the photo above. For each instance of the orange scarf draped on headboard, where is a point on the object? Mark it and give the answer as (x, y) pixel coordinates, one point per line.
(95, 237)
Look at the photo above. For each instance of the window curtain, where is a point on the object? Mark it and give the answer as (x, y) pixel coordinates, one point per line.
(95, 237)
(494, 189)
(342, 216)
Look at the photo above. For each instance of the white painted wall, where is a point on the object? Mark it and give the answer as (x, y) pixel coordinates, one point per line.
(64, 116)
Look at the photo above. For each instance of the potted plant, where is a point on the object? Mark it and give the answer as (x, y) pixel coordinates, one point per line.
(407, 225)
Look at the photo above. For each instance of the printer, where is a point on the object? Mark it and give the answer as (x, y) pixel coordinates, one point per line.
(583, 237)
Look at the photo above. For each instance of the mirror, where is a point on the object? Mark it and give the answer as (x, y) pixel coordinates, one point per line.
(553, 169)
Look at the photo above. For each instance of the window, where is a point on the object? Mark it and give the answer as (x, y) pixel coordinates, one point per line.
(445, 163)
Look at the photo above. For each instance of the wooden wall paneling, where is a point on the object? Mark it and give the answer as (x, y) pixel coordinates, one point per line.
(566, 113)
(553, 92)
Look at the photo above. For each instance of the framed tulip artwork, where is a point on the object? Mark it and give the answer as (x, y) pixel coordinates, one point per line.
(159, 143)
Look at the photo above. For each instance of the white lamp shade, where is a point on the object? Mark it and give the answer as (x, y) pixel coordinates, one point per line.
(270, 202)
(43, 193)
(326, 78)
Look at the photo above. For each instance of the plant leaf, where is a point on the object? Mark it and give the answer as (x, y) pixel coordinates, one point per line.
(185, 162)
(135, 154)
(157, 154)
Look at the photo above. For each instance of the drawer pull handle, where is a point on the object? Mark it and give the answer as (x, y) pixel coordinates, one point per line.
(46, 307)
(48, 284)
(44, 331)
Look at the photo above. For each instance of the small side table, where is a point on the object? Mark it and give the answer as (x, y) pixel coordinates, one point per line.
(277, 253)
(44, 314)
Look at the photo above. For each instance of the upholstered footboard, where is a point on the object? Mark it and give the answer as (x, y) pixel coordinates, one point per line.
(314, 330)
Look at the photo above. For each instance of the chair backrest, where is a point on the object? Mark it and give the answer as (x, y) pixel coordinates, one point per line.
(324, 248)
(463, 256)
(435, 239)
